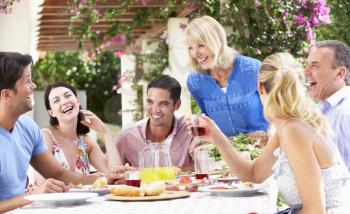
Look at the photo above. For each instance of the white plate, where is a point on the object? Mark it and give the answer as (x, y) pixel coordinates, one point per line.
(218, 178)
(231, 192)
(88, 188)
(60, 198)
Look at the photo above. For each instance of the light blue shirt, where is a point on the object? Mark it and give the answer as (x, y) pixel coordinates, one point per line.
(16, 150)
(336, 108)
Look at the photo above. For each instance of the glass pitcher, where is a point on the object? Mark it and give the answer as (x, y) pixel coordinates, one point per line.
(155, 163)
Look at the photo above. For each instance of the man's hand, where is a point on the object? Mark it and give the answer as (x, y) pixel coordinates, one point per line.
(116, 175)
(50, 186)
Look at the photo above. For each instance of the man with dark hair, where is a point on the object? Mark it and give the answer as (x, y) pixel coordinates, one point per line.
(21, 142)
(161, 126)
(328, 74)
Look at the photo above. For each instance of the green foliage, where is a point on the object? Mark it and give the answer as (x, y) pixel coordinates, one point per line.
(194, 107)
(97, 79)
(256, 28)
(87, 14)
(158, 61)
(340, 25)
(241, 143)
(260, 28)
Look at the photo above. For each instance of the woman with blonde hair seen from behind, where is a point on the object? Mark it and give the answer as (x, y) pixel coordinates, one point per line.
(224, 85)
(310, 174)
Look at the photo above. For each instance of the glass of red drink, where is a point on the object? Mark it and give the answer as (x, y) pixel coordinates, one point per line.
(202, 161)
(132, 178)
(197, 129)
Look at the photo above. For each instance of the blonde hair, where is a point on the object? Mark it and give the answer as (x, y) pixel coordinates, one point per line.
(283, 78)
(207, 31)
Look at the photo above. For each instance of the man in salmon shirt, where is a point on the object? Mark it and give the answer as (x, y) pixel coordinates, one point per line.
(161, 126)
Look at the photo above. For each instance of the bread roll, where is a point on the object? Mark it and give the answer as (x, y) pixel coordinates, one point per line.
(100, 183)
(153, 189)
(124, 190)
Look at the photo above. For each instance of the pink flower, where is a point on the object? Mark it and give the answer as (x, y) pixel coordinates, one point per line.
(324, 19)
(191, 6)
(257, 51)
(119, 39)
(164, 37)
(119, 53)
(321, 2)
(84, 2)
(74, 11)
(300, 19)
(314, 21)
(257, 3)
(309, 34)
(182, 26)
(307, 23)
(143, 2)
(323, 10)
(303, 4)
(270, 48)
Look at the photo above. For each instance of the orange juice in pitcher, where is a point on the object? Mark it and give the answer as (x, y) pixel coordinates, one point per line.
(158, 174)
(155, 163)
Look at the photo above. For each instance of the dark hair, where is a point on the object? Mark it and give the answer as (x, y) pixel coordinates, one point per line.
(81, 129)
(12, 66)
(168, 83)
(341, 55)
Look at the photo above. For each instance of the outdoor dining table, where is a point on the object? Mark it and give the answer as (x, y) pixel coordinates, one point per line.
(197, 202)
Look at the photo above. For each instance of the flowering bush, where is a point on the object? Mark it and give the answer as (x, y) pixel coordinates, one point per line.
(263, 27)
(118, 33)
(259, 27)
(340, 22)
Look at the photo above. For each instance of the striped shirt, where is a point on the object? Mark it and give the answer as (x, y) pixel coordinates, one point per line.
(336, 108)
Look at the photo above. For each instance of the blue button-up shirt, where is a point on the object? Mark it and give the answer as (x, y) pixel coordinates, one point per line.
(336, 108)
(239, 109)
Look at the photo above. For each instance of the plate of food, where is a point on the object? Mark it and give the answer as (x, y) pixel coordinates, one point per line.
(88, 188)
(224, 177)
(99, 186)
(218, 171)
(147, 192)
(57, 199)
(242, 189)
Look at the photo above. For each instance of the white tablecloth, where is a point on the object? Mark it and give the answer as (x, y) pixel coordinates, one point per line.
(198, 202)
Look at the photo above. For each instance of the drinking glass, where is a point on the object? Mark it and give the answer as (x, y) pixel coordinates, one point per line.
(202, 161)
(197, 129)
(132, 178)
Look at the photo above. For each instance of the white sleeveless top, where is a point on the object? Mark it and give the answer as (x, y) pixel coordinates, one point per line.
(336, 180)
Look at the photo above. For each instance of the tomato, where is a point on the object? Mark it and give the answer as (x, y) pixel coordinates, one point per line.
(185, 180)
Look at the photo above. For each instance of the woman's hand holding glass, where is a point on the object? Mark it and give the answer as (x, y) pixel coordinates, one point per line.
(211, 130)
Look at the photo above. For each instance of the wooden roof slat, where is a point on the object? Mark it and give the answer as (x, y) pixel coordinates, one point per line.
(106, 4)
(56, 16)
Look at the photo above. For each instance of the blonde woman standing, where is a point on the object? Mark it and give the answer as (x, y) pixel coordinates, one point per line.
(224, 85)
(310, 174)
